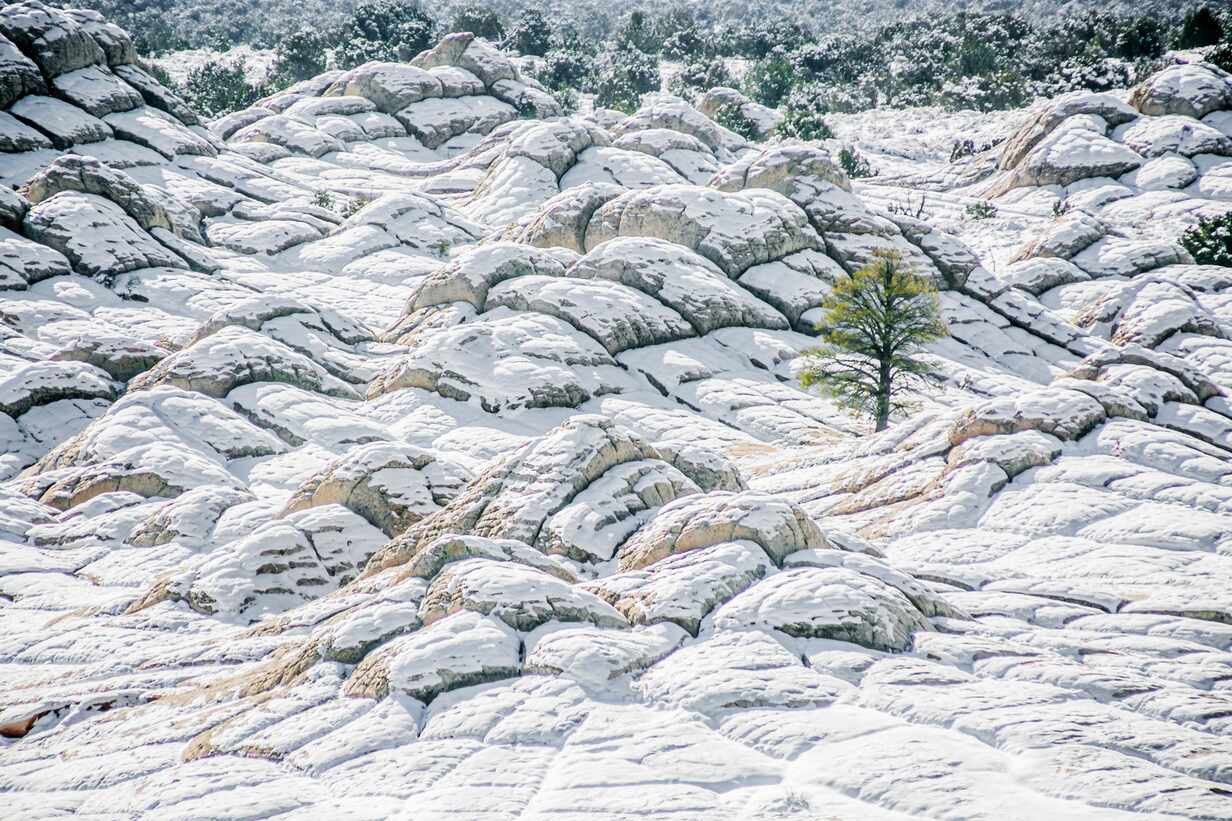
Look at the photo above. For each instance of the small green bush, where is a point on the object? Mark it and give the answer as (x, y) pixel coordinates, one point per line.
(732, 117)
(700, 75)
(854, 163)
(479, 21)
(803, 118)
(529, 34)
(1221, 56)
(622, 76)
(981, 210)
(300, 56)
(159, 73)
(390, 30)
(1201, 27)
(354, 207)
(1210, 241)
(770, 80)
(216, 88)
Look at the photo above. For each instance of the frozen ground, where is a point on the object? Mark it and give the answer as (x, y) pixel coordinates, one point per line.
(396, 448)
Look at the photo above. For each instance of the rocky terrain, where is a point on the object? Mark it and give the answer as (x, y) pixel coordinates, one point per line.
(398, 447)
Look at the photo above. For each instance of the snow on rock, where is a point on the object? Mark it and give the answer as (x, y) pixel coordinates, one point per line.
(29, 384)
(1191, 89)
(51, 38)
(738, 671)
(720, 227)
(398, 442)
(97, 91)
(829, 603)
(463, 649)
(1068, 155)
(683, 589)
(516, 496)
(520, 596)
(716, 99)
(700, 521)
(63, 124)
(1174, 134)
(96, 235)
(236, 356)
(595, 656)
(280, 564)
(391, 486)
(684, 281)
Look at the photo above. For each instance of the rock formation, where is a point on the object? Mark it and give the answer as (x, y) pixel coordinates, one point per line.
(485, 489)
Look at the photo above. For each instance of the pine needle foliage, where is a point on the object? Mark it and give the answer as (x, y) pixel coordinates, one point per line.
(873, 329)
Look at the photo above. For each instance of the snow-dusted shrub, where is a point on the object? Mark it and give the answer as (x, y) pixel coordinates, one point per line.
(479, 20)
(687, 42)
(855, 164)
(770, 80)
(529, 34)
(216, 88)
(803, 116)
(1202, 26)
(981, 210)
(300, 56)
(732, 117)
(389, 30)
(700, 75)
(1210, 241)
(622, 76)
(566, 66)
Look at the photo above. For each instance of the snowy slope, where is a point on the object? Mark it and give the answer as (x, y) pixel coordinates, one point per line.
(398, 448)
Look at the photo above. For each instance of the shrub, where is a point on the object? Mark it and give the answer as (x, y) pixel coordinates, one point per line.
(854, 163)
(761, 38)
(353, 207)
(567, 98)
(803, 119)
(390, 30)
(701, 74)
(323, 199)
(529, 34)
(159, 73)
(216, 88)
(299, 56)
(962, 148)
(1210, 241)
(981, 210)
(770, 80)
(687, 42)
(732, 117)
(622, 76)
(566, 68)
(1221, 56)
(1201, 27)
(638, 33)
(480, 21)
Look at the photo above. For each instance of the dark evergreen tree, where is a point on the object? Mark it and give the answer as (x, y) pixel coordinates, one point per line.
(1201, 27)
(480, 21)
(529, 34)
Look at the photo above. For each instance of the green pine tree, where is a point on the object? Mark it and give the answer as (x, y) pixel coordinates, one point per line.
(874, 325)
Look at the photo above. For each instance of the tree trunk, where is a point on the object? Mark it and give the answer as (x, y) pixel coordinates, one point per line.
(883, 396)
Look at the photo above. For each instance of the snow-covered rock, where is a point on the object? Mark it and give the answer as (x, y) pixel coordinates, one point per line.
(398, 445)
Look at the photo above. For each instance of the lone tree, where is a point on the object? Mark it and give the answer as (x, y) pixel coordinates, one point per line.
(873, 329)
